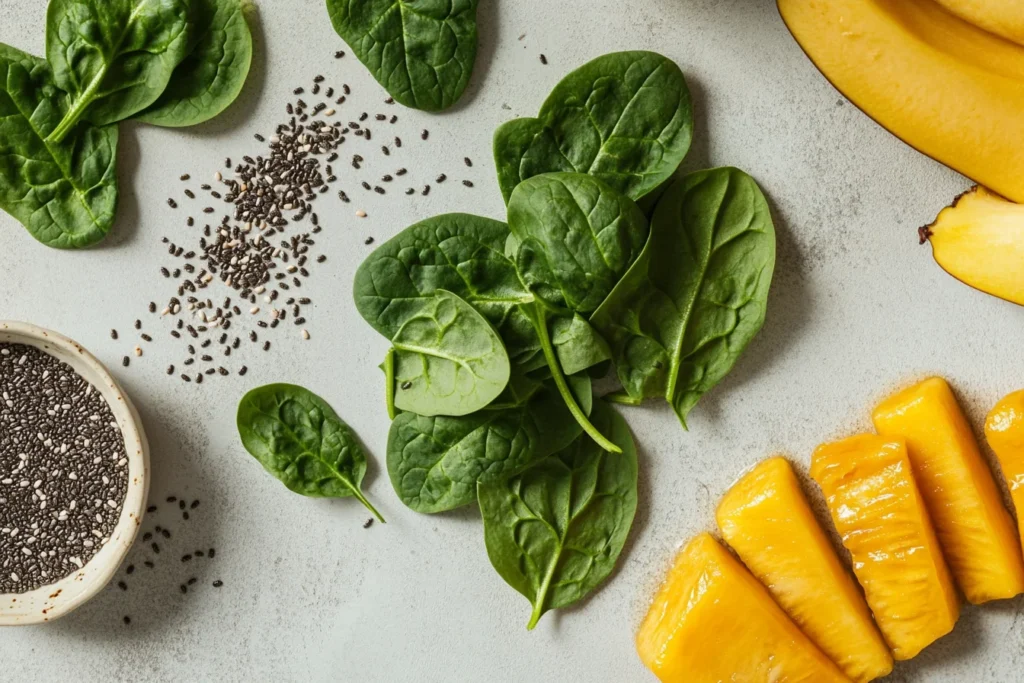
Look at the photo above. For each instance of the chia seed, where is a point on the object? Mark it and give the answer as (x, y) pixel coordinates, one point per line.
(62, 458)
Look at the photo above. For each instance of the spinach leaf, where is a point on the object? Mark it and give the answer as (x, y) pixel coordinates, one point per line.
(448, 360)
(625, 118)
(577, 237)
(213, 73)
(113, 57)
(300, 440)
(435, 462)
(686, 310)
(456, 252)
(555, 531)
(421, 51)
(577, 344)
(65, 195)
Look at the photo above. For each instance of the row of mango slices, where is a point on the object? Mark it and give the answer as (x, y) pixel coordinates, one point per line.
(916, 507)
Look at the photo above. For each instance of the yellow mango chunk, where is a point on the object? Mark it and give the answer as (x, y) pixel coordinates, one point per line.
(942, 85)
(881, 517)
(713, 621)
(1004, 430)
(1002, 17)
(768, 522)
(979, 240)
(976, 532)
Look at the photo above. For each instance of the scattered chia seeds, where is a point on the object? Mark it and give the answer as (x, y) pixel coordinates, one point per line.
(258, 201)
(63, 469)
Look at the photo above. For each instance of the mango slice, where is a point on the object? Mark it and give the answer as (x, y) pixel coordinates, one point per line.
(881, 517)
(1004, 430)
(766, 519)
(941, 84)
(713, 621)
(976, 532)
(1002, 17)
(979, 240)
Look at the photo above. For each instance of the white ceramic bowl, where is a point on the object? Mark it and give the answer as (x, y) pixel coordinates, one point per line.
(57, 599)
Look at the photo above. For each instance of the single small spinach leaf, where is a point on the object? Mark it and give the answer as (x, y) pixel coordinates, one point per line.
(696, 297)
(421, 51)
(66, 194)
(300, 440)
(448, 360)
(212, 75)
(113, 57)
(555, 531)
(624, 117)
(577, 237)
(457, 252)
(435, 462)
(578, 345)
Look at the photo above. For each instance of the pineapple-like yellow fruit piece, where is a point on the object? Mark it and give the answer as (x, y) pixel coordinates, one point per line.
(976, 532)
(882, 520)
(767, 520)
(1004, 430)
(713, 621)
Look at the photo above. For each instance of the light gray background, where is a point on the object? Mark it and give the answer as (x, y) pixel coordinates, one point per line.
(857, 309)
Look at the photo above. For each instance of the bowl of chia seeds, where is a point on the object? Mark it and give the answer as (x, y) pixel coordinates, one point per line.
(74, 474)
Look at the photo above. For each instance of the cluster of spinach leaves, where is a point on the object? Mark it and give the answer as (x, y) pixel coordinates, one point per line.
(422, 52)
(299, 439)
(166, 62)
(497, 329)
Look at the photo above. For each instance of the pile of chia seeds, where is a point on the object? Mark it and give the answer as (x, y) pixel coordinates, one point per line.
(63, 469)
(245, 249)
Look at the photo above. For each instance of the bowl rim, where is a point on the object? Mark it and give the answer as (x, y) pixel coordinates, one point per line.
(57, 599)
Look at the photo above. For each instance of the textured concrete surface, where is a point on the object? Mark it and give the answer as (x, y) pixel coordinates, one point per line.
(857, 309)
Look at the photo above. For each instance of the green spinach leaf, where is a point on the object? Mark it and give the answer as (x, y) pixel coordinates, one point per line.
(113, 57)
(421, 51)
(448, 360)
(212, 75)
(300, 440)
(66, 194)
(696, 297)
(577, 237)
(577, 344)
(435, 462)
(555, 531)
(625, 118)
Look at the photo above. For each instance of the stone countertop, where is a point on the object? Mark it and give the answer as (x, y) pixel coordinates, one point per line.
(857, 308)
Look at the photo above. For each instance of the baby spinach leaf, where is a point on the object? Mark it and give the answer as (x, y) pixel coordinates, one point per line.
(113, 57)
(457, 252)
(300, 440)
(686, 310)
(66, 194)
(578, 345)
(435, 462)
(213, 73)
(421, 51)
(448, 360)
(577, 237)
(625, 118)
(555, 531)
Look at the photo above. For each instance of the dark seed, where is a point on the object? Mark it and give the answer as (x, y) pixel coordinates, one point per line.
(171, 203)
(127, 620)
(368, 523)
(543, 59)
(125, 361)
(130, 569)
(339, 54)
(469, 162)
(183, 588)
(156, 548)
(425, 134)
(165, 533)
(113, 334)
(242, 370)
(369, 240)
(218, 583)
(426, 190)
(406, 385)
(192, 581)
(122, 585)
(440, 179)
(186, 558)
(184, 177)
(148, 564)
(210, 553)
(467, 183)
